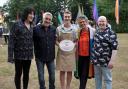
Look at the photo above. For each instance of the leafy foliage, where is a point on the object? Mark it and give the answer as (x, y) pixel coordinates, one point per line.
(105, 7)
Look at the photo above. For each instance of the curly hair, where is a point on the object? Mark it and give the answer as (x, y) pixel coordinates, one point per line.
(27, 11)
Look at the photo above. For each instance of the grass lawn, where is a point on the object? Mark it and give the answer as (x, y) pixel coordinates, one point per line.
(120, 71)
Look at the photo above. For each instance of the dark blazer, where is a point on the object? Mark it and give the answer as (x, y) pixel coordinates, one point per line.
(44, 43)
(20, 44)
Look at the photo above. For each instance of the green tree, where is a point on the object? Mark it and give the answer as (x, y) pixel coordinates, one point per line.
(105, 7)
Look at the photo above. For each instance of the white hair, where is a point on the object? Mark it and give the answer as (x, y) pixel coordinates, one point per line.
(47, 13)
(102, 17)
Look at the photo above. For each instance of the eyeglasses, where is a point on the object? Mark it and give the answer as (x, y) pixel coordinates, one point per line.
(48, 19)
(83, 21)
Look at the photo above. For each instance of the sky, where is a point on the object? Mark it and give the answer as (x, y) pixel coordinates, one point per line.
(2, 2)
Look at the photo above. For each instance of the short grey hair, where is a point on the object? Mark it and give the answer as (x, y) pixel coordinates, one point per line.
(102, 17)
(47, 13)
(83, 17)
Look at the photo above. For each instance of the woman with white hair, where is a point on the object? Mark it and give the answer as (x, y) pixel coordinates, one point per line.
(85, 41)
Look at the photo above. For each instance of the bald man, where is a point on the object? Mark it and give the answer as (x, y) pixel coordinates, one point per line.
(103, 53)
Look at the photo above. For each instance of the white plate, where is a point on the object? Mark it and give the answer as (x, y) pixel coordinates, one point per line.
(66, 45)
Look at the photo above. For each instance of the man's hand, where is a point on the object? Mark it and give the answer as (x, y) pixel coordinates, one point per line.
(110, 65)
(113, 57)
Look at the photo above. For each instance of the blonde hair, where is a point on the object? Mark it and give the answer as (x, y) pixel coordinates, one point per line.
(67, 12)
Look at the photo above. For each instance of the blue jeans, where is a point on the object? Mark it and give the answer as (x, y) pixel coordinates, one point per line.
(104, 72)
(51, 72)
